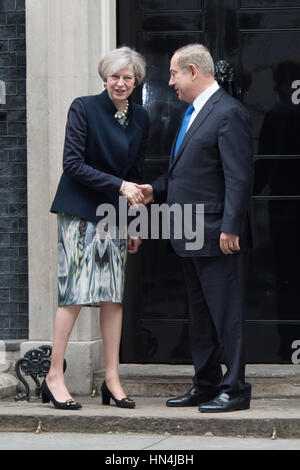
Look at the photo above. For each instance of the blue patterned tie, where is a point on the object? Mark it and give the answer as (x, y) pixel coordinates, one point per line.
(183, 128)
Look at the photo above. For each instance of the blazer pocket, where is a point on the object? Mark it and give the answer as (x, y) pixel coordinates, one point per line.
(209, 207)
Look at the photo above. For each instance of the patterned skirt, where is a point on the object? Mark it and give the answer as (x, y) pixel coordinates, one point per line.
(91, 262)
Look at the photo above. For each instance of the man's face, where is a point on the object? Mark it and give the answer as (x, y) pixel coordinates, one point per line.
(181, 80)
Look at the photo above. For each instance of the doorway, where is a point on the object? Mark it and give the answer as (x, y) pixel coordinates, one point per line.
(260, 40)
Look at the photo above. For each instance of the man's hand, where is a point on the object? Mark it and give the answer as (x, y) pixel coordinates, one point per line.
(133, 245)
(147, 192)
(229, 243)
(133, 193)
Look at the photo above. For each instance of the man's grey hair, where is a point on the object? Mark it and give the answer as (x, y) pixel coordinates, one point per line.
(198, 55)
(121, 58)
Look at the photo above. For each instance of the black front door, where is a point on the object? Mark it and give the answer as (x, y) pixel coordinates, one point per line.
(260, 39)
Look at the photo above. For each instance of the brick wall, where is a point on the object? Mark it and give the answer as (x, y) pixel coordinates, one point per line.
(13, 181)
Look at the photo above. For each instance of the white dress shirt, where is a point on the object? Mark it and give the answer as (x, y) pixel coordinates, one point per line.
(201, 100)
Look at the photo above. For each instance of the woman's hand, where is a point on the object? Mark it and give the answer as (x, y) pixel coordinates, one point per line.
(132, 192)
(133, 245)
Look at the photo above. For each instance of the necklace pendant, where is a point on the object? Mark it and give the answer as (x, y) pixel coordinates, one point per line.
(122, 114)
(119, 115)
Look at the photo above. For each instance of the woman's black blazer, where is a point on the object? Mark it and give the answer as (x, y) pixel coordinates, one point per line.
(98, 155)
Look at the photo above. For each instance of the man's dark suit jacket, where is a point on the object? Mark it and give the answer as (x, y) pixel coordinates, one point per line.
(98, 155)
(213, 167)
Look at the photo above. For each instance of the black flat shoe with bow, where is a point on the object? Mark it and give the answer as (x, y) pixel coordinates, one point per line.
(61, 405)
(107, 395)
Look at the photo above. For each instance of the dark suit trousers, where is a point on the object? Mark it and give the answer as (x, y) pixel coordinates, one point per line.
(216, 292)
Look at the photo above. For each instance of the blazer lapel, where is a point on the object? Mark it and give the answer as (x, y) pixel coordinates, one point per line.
(202, 115)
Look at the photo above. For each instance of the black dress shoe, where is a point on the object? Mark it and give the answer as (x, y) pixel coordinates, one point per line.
(191, 398)
(224, 402)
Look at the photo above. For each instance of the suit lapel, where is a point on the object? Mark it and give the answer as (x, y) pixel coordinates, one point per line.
(173, 147)
(202, 115)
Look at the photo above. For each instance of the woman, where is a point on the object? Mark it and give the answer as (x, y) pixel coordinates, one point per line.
(103, 154)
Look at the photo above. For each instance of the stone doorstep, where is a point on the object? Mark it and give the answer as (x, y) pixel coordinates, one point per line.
(166, 380)
(266, 418)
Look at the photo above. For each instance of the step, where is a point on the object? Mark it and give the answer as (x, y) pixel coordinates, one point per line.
(167, 380)
(269, 418)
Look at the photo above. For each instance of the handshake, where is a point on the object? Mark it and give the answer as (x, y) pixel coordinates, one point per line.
(137, 193)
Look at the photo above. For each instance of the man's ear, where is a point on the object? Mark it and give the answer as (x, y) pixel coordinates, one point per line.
(193, 69)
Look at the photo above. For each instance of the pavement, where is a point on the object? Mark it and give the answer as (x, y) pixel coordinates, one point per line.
(150, 444)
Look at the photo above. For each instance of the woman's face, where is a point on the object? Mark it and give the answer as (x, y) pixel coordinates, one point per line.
(120, 85)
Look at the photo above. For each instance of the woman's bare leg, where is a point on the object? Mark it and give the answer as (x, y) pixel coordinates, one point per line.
(111, 315)
(64, 321)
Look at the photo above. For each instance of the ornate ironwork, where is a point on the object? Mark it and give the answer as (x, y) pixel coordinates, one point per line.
(36, 363)
(224, 75)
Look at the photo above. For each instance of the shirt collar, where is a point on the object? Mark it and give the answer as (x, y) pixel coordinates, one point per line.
(205, 95)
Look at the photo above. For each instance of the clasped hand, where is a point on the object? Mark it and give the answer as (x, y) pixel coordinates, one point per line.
(137, 193)
(147, 192)
(133, 193)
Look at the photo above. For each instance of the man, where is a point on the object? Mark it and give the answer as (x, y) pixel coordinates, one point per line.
(211, 164)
